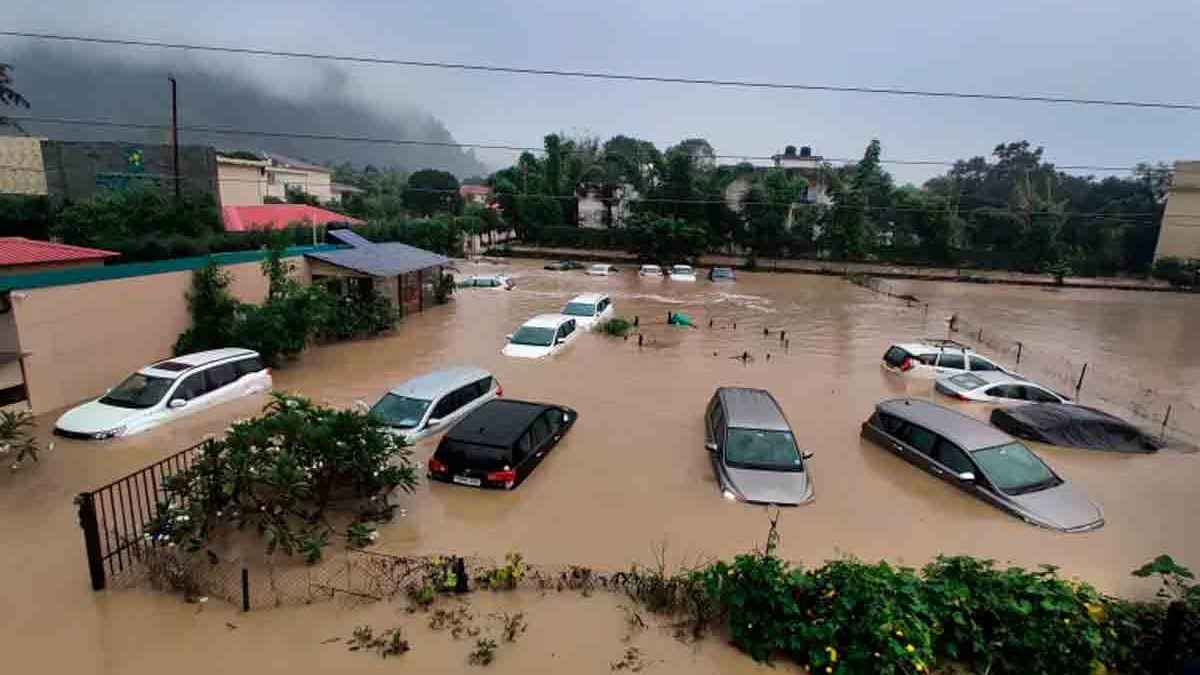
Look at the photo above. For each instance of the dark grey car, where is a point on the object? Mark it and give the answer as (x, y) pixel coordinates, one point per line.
(754, 454)
(981, 460)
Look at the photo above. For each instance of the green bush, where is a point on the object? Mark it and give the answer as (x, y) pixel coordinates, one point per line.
(354, 315)
(618, 326)
(279, 473)
(1176, 271)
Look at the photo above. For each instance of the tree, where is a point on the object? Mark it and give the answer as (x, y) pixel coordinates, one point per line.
(8, 95)
(432, 191)
(666, 240)
(847, 234)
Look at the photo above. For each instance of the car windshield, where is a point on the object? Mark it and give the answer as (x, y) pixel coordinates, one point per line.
(1014, 469)
(722, 272)
(138, 391)
(537, 336)
(579, 309)
(758, 449)
(681, 269)
(968, 381)
(401, 412)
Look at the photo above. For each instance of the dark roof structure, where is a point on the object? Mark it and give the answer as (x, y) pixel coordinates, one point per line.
(498, 423)
(378, 260)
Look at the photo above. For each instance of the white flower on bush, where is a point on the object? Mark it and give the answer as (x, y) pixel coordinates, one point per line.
(5, 449)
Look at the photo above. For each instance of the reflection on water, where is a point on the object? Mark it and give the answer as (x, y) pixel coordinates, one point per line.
(633, 471)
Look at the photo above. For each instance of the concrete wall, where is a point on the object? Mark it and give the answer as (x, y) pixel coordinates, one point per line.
(77, 170)
(240, 184)
(85, 338)
(21, 171)
(1180, 234)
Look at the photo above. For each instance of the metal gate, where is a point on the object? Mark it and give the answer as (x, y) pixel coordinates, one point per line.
(114, 517)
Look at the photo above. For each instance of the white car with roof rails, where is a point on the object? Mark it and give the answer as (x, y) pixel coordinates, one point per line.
(497, 281)
(602, 270)
(589, 310)
(682, 273)
(167, 390)
(932, 358)
(541, 336)
(996, 386)
(434, 401)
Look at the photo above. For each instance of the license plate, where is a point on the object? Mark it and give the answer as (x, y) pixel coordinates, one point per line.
(464, 480)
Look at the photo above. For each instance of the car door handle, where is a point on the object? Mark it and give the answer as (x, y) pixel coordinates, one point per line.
(937, 471)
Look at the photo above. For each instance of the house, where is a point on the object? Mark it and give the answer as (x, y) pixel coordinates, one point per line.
(406, 275)
(1179, 236)
(812, 168)
(475, 194)
(18, 255)
(280, 216)
(248, 179)
(594, 213)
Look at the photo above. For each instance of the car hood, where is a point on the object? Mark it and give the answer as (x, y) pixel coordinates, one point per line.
(770, 487)
(94, 417)
(585, 322)
(1063, 507)
(525, 351)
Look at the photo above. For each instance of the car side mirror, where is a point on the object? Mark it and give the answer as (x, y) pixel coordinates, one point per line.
(508, 337)
(710, 446)
(177, 403)
(967, 477)
(433, 421)
(806, 455)
(559, 341)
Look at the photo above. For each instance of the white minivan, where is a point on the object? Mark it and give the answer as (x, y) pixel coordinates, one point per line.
(589, 310)
(434, 401)
(167, 390)
(541, 336)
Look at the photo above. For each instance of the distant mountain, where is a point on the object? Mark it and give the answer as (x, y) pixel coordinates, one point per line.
(76, 84)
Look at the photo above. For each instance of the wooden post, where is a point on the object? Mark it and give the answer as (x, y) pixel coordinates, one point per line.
(1162, 436)
(1019, 345)
(1080, 382)
(245, 590)
(91, 539)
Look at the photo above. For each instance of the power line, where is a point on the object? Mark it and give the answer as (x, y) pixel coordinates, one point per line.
(231, 131)
(602, 75)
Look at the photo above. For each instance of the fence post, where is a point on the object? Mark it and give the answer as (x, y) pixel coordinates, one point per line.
(1019, 345)
(91, 538)
(245, 590)
(980, 338)
(1172, 628)
(1162, 436)
(1080, 382)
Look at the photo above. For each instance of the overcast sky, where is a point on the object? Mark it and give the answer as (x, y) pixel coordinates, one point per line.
(1097, 49)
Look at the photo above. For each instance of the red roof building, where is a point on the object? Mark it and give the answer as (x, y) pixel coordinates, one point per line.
(18, 254)
(279, 216)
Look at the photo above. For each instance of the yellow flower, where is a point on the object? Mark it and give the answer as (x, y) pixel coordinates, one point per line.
(909, 648)
(919, 665)
(828, 669)
(899, 633)
(1096, 611)
(832, 654)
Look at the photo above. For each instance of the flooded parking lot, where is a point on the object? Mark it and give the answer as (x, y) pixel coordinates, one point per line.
(633, 472)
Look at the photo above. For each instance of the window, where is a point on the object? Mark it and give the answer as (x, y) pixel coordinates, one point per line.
(1012, 391)
(952, 360)
(718, 423)
(536, 336)
(481, 387)
(250, 365)
(1035, 394)
(927, 359)
(569, 327)
(953, 458)
(523, 448)
(446, 406)
(219, 376)
(555, 418)
(921, 439)
(980, 363)
(400, 411)
(968, 381)
(191, 387)
(539, 431)
(890, 423)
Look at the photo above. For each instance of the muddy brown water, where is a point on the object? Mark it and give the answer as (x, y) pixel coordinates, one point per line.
(632, 474)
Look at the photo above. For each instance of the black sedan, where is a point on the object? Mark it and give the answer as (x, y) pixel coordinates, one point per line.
(500, 443)
(564, 265)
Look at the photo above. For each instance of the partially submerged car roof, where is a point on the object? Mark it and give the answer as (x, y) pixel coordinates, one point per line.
(432, 385)
(588, 298)
(966, 431)
(547, 320)
(752, 409)
(176, 366)
(1074, 426)
(497, 423)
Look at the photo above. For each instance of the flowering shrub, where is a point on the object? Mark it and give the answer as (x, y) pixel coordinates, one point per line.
(16, 437)
(280, 473)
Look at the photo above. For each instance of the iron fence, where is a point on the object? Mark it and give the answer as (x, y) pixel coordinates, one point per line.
(114, 517)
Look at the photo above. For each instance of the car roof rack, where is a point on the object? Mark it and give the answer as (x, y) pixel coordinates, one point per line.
(944, 343)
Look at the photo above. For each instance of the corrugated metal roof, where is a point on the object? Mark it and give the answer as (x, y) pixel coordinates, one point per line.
(22, 251)
(349, 238)
(381, 260)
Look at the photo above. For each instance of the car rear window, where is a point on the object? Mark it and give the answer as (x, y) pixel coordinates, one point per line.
(950, 360)
(895, 356)
(250, 365)
(460, 455)
(968, 381)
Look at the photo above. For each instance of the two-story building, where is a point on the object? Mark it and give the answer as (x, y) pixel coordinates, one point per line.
(250, 179)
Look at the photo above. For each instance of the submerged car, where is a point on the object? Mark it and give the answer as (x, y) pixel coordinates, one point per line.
(564, 265)
(650, 271)
(934, 358)
(1074, 426)
(541, 336)
(589, 310)
(433, 402)
(753, 452)
(996, 386)
(498, 281)
(721, 274)
(983, 461)
(602, 270)
(500, 444)
(682, 273)
(167, 390)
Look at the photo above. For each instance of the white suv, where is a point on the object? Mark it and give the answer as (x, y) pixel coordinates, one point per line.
(434, 401)
(541, 336)
(589, 310)
(167, 390)
(934, 358)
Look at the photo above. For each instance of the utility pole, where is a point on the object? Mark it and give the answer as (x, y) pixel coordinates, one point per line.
(174, 135)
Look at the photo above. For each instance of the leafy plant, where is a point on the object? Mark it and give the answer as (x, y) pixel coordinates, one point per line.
(16, 436)
(511, 625)
(484, 653)
(1176, 579)
(507, 576)
(617, 326)
(444, 289)
(280, 473)
(390, 642)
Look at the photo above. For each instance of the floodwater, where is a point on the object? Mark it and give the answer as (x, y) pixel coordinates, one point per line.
(632, 475)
